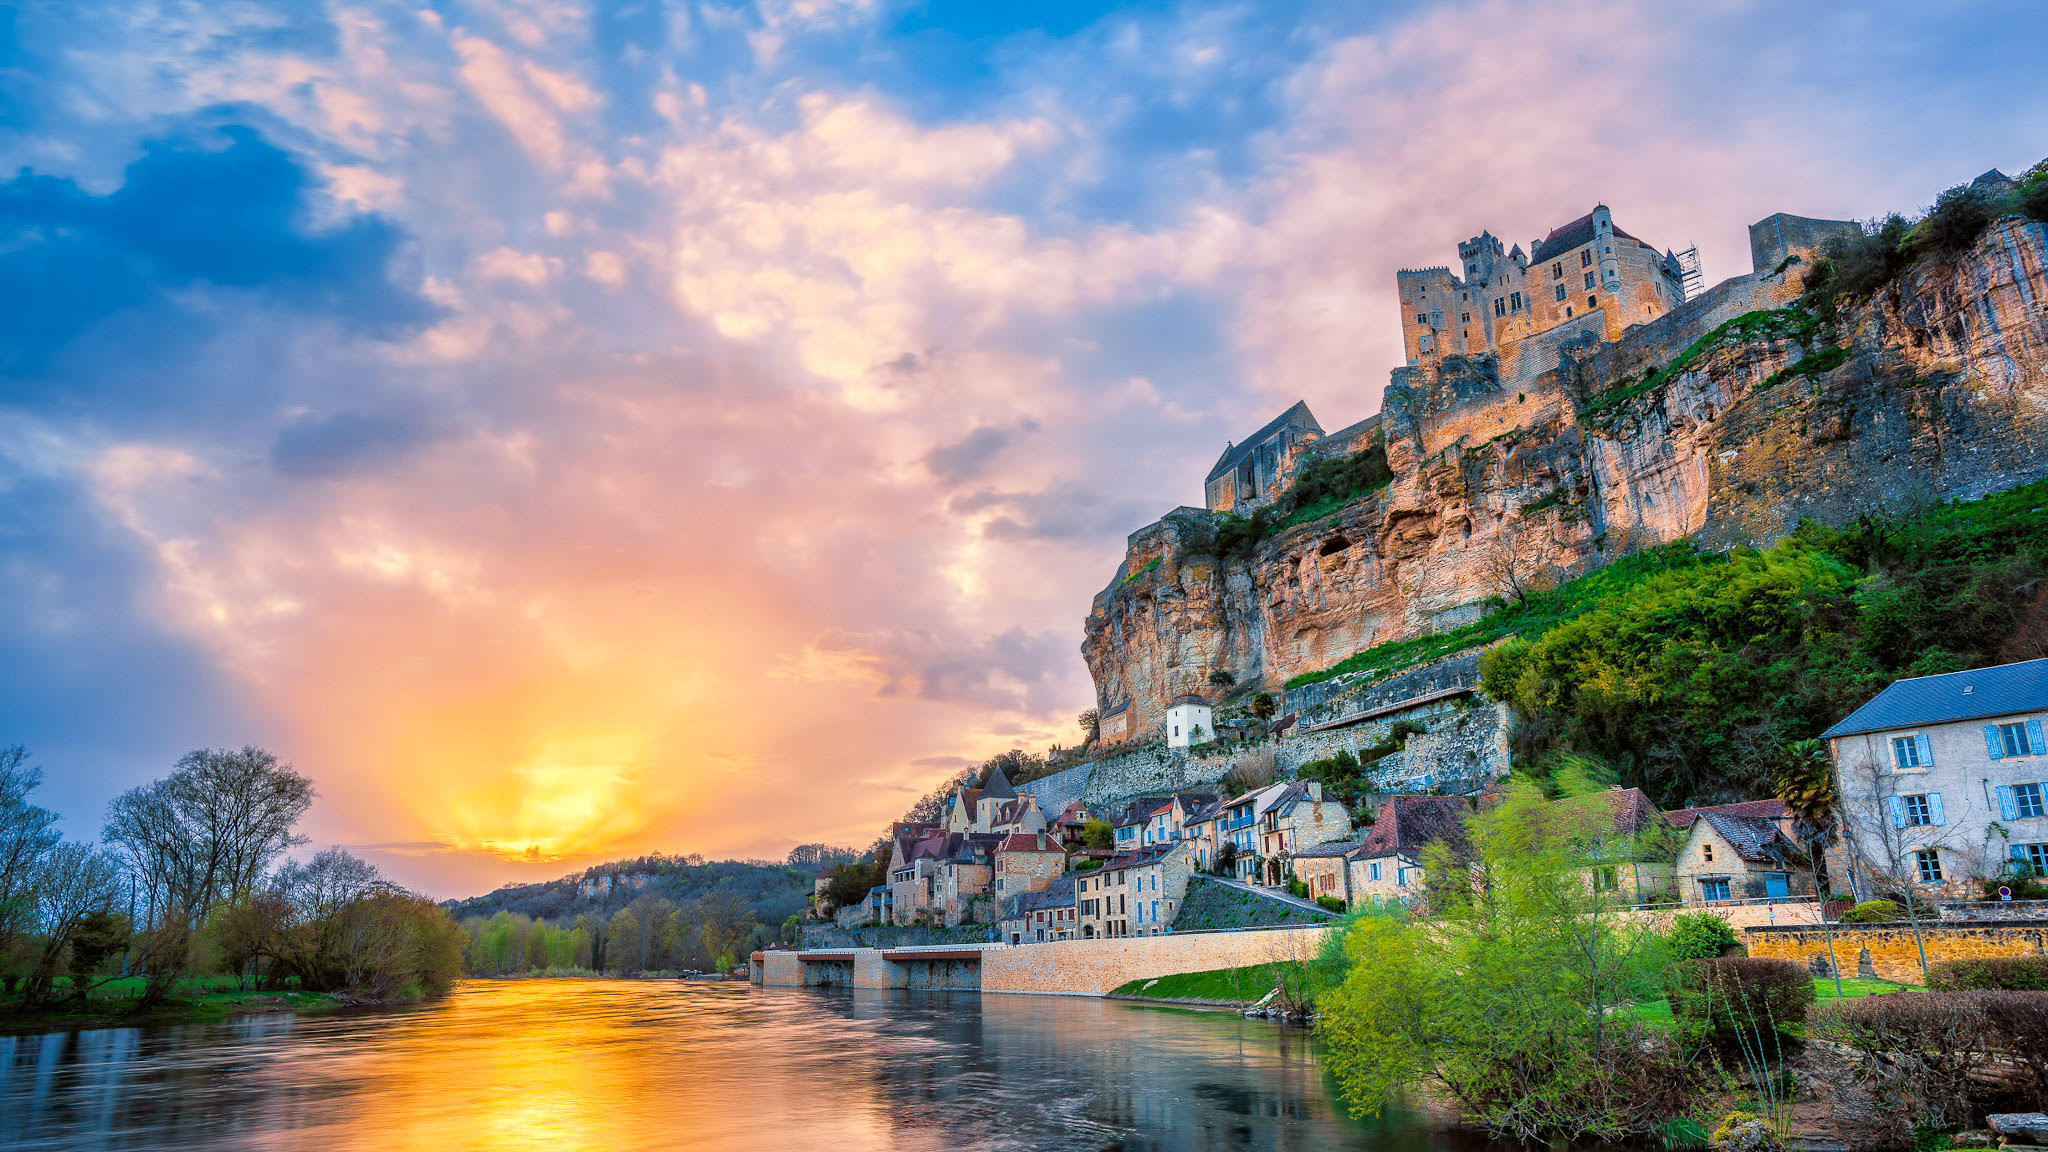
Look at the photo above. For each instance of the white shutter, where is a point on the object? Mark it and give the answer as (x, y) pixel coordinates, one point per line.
(1991, 745)
(1934, 809)
(1898, 811)
(2034, 741)
(1920, 745)
(2008, 807)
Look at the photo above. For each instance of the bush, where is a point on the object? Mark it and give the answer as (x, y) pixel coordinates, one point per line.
(1990, 973)
(1699, 936)
(1331, 902)
(1739, 995)
(1874, 912)
(1900, 1064)
(1958, 217)
(2017, 1026)
(2026, 887)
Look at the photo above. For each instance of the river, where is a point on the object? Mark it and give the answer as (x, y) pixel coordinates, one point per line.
(616, 1066)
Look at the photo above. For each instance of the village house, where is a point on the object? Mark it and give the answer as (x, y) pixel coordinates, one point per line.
(1129, 824)
(1624, 840)
(1324, 868)
(1298, 817)
(1236, 829)
(1200, 831)
(1387, 867)
(1027, 862)
(1036, 917)
(1731, 857)
(1943, 780)
(1189, 721)
(1137, 893)
(1072, 824)
(962, 878)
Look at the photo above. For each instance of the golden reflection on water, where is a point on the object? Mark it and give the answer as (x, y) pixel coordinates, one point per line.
(617, 1066)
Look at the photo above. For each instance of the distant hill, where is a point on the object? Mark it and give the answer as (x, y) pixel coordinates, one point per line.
(772, 891)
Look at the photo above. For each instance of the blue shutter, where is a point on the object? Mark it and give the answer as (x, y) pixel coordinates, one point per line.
(2008, 808)
(1934, 808)
(1898, 811)
(2034, 741)
(1920, 745)
(2019, 857)
(1991, 746)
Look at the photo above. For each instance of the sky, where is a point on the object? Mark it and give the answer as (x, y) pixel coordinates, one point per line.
(572, 430)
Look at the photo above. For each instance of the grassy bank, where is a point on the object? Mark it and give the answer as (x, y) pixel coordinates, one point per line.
(1221, 986)
(1657, 1013)
(199, 1001)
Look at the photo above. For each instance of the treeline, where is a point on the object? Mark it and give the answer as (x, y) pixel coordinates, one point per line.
(1692, 683)
(650, 935)
(770, 892)
(192, 879)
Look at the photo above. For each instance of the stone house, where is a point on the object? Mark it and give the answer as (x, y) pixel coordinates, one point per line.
(1325, 868)
(1387, 866)
(1027, 862)
(1627, 844)
(1299, 817)
(1236, 828)
(1036, 917)
(1113, 724)
(1253, 472)
(1189, 721)
(1943, 780)
(1072, 824)
(1137, 893)
(936, 876)
(1199, 829)
(1134, 818)
(962, 879)
(1731, 857)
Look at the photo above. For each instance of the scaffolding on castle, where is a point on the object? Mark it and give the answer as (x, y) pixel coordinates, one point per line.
(1691, 280)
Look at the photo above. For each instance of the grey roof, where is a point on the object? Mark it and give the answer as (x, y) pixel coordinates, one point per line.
(1755, 839)
(998, 787)
(1298, 416)
(1572, 235)
(2004, 690)
(1336, 848)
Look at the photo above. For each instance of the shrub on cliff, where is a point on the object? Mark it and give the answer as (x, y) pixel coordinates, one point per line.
(1988, 973)
(1738, 996)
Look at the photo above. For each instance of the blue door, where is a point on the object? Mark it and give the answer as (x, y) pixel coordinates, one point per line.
(1775, 886)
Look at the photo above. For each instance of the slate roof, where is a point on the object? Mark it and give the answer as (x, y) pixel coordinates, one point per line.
(1632, 811)
(1408, 824)
(1295, 793)
(1336, 848)
(1188, 698)
(1139, 809)
(1572, 235)
(998, 786)
(1138, 858)
(2004, 690)
(1682, 818)
(1755, 840)
(1298, 416)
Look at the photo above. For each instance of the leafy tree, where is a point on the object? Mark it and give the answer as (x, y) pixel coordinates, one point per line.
(27, 834)
(1098, 834)
(1805, 781)
(1699, 936)
(97, 937)
(1222, 678)
(1090, 721)
(1264, 706)
(1506, 998)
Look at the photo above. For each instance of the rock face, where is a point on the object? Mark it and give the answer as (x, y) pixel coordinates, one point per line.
(1563, 452)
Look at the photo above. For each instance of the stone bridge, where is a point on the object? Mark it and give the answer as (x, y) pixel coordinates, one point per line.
(1062, 967)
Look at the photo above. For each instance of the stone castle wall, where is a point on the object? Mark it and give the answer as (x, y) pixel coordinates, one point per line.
(1894, 951)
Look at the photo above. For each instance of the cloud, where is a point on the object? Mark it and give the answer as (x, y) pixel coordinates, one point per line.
(971, 455)
(311, 446)
(190, 212)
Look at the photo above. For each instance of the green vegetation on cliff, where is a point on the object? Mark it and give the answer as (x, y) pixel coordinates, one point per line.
(1322, 488)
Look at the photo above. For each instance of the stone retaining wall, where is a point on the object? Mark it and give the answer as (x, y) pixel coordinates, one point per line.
(1893, 953)
(1995, 910)
(1096, 967)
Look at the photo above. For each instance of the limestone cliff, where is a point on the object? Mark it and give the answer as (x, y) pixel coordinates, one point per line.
(1729, 418)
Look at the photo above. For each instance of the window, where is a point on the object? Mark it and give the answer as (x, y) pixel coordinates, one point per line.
(1464, 317)
(1176, 729)
(1422, 317)
(1707, 853)
(2022, 739)
(2027, 801)
(1514, 301)
(1590, 281)
(2034, 856)
(1436, 319)
(1928, 860)
(1373, 869)
(1585, 257)
(1500, 306)
(1604, 880)
(1714, 889)
(1591, 304)
(1557, 270)
(1911, 753)
(1560, 293)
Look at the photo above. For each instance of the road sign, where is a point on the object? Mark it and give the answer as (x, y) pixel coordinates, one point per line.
(2005, 893)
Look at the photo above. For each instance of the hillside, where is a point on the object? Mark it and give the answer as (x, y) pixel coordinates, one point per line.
(772, 892)
(1900, 379)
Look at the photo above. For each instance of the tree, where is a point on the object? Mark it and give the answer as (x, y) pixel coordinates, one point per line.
(27, 833)
(98, 936)
(1090, 721)
(1222, 678)
(1098, 834)
(1263, 706)
(1506, 998)
(1805, 781)
(74, 881)
(1520, 559)
(727, 921)
(334, 924)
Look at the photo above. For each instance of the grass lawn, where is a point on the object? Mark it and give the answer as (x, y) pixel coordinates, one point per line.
(1239, 985)
(198, 999)
(1657, 1014)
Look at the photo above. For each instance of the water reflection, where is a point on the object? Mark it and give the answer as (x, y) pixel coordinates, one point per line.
(574, 1065)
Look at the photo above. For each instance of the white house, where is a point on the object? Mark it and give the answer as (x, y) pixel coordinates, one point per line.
(1944, 779)
(1189, 721)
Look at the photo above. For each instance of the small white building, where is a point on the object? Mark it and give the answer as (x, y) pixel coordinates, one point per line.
(1189, 721)
(1944, 779)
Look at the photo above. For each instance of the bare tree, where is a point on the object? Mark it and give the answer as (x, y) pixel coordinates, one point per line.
(1522, 558)
(200, 838)
(1254, 769)
(27, 834)
(73, 881)
(1880, 845)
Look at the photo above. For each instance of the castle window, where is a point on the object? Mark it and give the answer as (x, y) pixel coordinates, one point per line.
(1514, 301)
(1591, 303)
(1589, 281)
(1567, 311)
(1500, 305)
(1464, 317)
(1585, 257)
(1557, 270)
(1421, 318)
(1560, 293)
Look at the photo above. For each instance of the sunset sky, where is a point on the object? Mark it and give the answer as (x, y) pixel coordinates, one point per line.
(579, 429)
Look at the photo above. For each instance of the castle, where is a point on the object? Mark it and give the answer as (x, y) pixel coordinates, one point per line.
(1588, 279)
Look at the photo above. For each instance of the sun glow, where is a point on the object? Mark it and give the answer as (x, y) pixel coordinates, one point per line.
(571, 797)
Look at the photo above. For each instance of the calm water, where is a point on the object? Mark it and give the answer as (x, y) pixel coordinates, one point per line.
(613, 1066)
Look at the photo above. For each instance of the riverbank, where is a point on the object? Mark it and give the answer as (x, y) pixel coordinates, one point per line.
(123, 1011)
(1217, 988)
